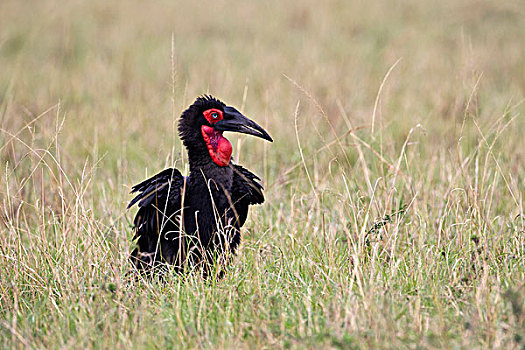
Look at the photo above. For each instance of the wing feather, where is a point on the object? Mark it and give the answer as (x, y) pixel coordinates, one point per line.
(158, 199)
(246, 190)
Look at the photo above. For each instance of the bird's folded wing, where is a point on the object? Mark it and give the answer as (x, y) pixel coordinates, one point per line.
(159, 201)
(159, 190)
(246, 190)
(246, 186)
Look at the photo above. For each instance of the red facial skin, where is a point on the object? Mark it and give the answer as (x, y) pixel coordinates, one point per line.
(212, 115)
(220, 148)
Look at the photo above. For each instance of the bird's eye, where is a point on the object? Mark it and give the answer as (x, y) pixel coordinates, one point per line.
(212, 115)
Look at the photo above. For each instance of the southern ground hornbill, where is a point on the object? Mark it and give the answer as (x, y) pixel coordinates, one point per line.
(196, 220)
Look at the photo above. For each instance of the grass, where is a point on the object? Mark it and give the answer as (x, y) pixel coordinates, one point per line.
(394, 214)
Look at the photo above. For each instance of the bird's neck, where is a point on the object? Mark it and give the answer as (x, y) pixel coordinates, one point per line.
(203, 169)
(213, 180)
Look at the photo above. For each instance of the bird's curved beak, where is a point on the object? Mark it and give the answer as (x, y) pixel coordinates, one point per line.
(236, 122)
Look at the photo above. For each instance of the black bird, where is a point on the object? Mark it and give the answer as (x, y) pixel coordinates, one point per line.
(197, 219)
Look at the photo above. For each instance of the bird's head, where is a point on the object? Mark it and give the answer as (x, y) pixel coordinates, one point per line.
(202, 124)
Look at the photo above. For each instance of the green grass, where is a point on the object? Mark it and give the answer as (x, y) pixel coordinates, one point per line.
(394, 214)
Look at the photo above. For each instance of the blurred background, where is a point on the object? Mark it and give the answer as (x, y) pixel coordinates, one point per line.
(123, 71)
(398, 143)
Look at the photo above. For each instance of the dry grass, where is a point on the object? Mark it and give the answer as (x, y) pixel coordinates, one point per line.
(394, 214)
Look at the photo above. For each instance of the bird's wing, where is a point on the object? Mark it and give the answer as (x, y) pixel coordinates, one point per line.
(165, 185)
(246, 190)
(159, 202)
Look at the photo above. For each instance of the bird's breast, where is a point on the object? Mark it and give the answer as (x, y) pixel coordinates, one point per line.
(207, 201)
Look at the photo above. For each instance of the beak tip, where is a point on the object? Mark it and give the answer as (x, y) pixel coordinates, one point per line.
(266, 136)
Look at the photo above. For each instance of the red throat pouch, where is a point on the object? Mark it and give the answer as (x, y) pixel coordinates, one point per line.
(219, 147)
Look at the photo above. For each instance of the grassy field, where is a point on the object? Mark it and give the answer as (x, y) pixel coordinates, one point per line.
(394, 214)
